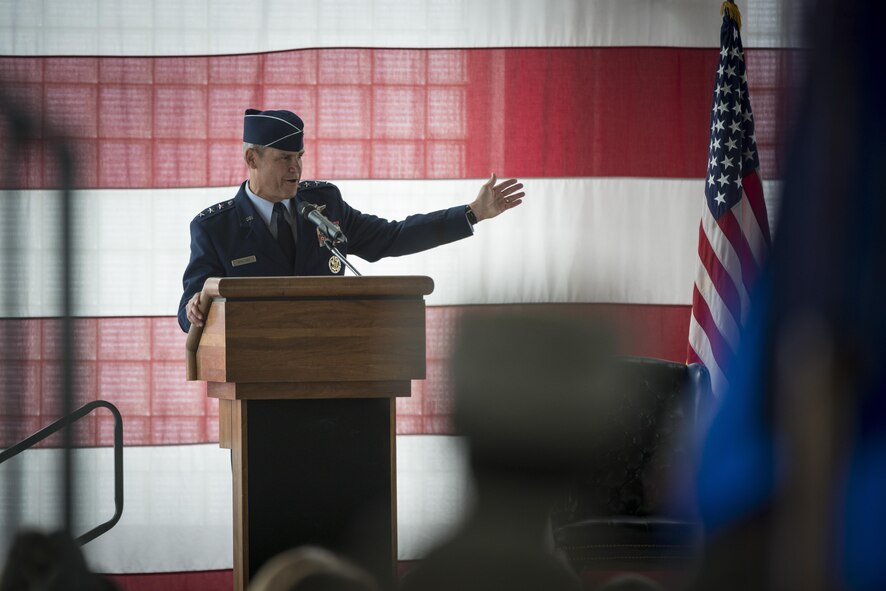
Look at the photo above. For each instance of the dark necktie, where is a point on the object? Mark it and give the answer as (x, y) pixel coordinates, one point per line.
(284, 234)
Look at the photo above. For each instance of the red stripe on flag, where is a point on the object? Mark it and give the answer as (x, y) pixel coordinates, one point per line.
(734, 234)
(753, 189)
(719, 345)
(138, 365)
(720, 278)
(213, 580)
(378, 114)
(692, 356)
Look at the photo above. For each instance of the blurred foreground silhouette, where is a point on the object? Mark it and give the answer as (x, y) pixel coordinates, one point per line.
(532, 393)
(48, 562)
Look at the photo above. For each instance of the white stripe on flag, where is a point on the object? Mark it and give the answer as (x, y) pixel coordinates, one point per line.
(750, 227)
(178, 508)
(615, 240)
(573, 240)
(719, 311)
(700, 343)
(159, 27)
(724, 251)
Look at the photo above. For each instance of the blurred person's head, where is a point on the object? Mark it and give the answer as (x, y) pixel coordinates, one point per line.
(310, 568)
(630, 582)
(48, 562)
(531, 391)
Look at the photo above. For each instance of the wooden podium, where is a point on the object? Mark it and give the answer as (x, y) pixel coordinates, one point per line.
(306, 370)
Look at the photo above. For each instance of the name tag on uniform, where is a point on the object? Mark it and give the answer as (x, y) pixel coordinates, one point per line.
(243, 261)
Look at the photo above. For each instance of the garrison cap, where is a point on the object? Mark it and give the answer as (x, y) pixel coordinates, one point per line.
(283, 130)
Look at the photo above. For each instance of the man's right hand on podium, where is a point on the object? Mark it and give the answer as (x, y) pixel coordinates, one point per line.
(195, 316)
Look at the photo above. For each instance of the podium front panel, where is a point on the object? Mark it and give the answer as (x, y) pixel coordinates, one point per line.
(337, 340)
(321, 472)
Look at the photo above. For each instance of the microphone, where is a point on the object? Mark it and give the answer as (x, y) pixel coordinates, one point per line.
(311, 212)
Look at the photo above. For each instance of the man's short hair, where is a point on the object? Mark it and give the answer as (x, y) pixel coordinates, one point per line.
(260, 150)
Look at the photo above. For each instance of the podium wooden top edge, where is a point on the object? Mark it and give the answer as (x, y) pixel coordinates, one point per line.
(300, 287)
(311, 286)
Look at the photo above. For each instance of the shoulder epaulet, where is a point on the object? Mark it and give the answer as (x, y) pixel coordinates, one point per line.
(303, 185)
(213, 210)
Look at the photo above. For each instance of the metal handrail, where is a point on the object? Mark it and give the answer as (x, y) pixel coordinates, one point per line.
(118, 458)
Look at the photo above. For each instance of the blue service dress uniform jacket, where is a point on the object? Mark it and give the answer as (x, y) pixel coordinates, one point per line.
(229, 239)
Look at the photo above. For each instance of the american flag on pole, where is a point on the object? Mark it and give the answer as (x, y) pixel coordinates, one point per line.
(733, 236)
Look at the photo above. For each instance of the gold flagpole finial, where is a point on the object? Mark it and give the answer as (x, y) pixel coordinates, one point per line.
(731, 9)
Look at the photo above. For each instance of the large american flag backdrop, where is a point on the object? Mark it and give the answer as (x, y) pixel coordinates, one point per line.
(601, 108)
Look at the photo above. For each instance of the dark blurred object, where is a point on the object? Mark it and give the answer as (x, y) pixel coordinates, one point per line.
(48, 562)
(621, 511)
(20, 128)
(531, 396)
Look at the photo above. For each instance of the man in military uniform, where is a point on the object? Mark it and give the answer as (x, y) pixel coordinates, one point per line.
(258, 233)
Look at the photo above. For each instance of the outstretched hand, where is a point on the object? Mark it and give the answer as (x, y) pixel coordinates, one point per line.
(494, 199)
